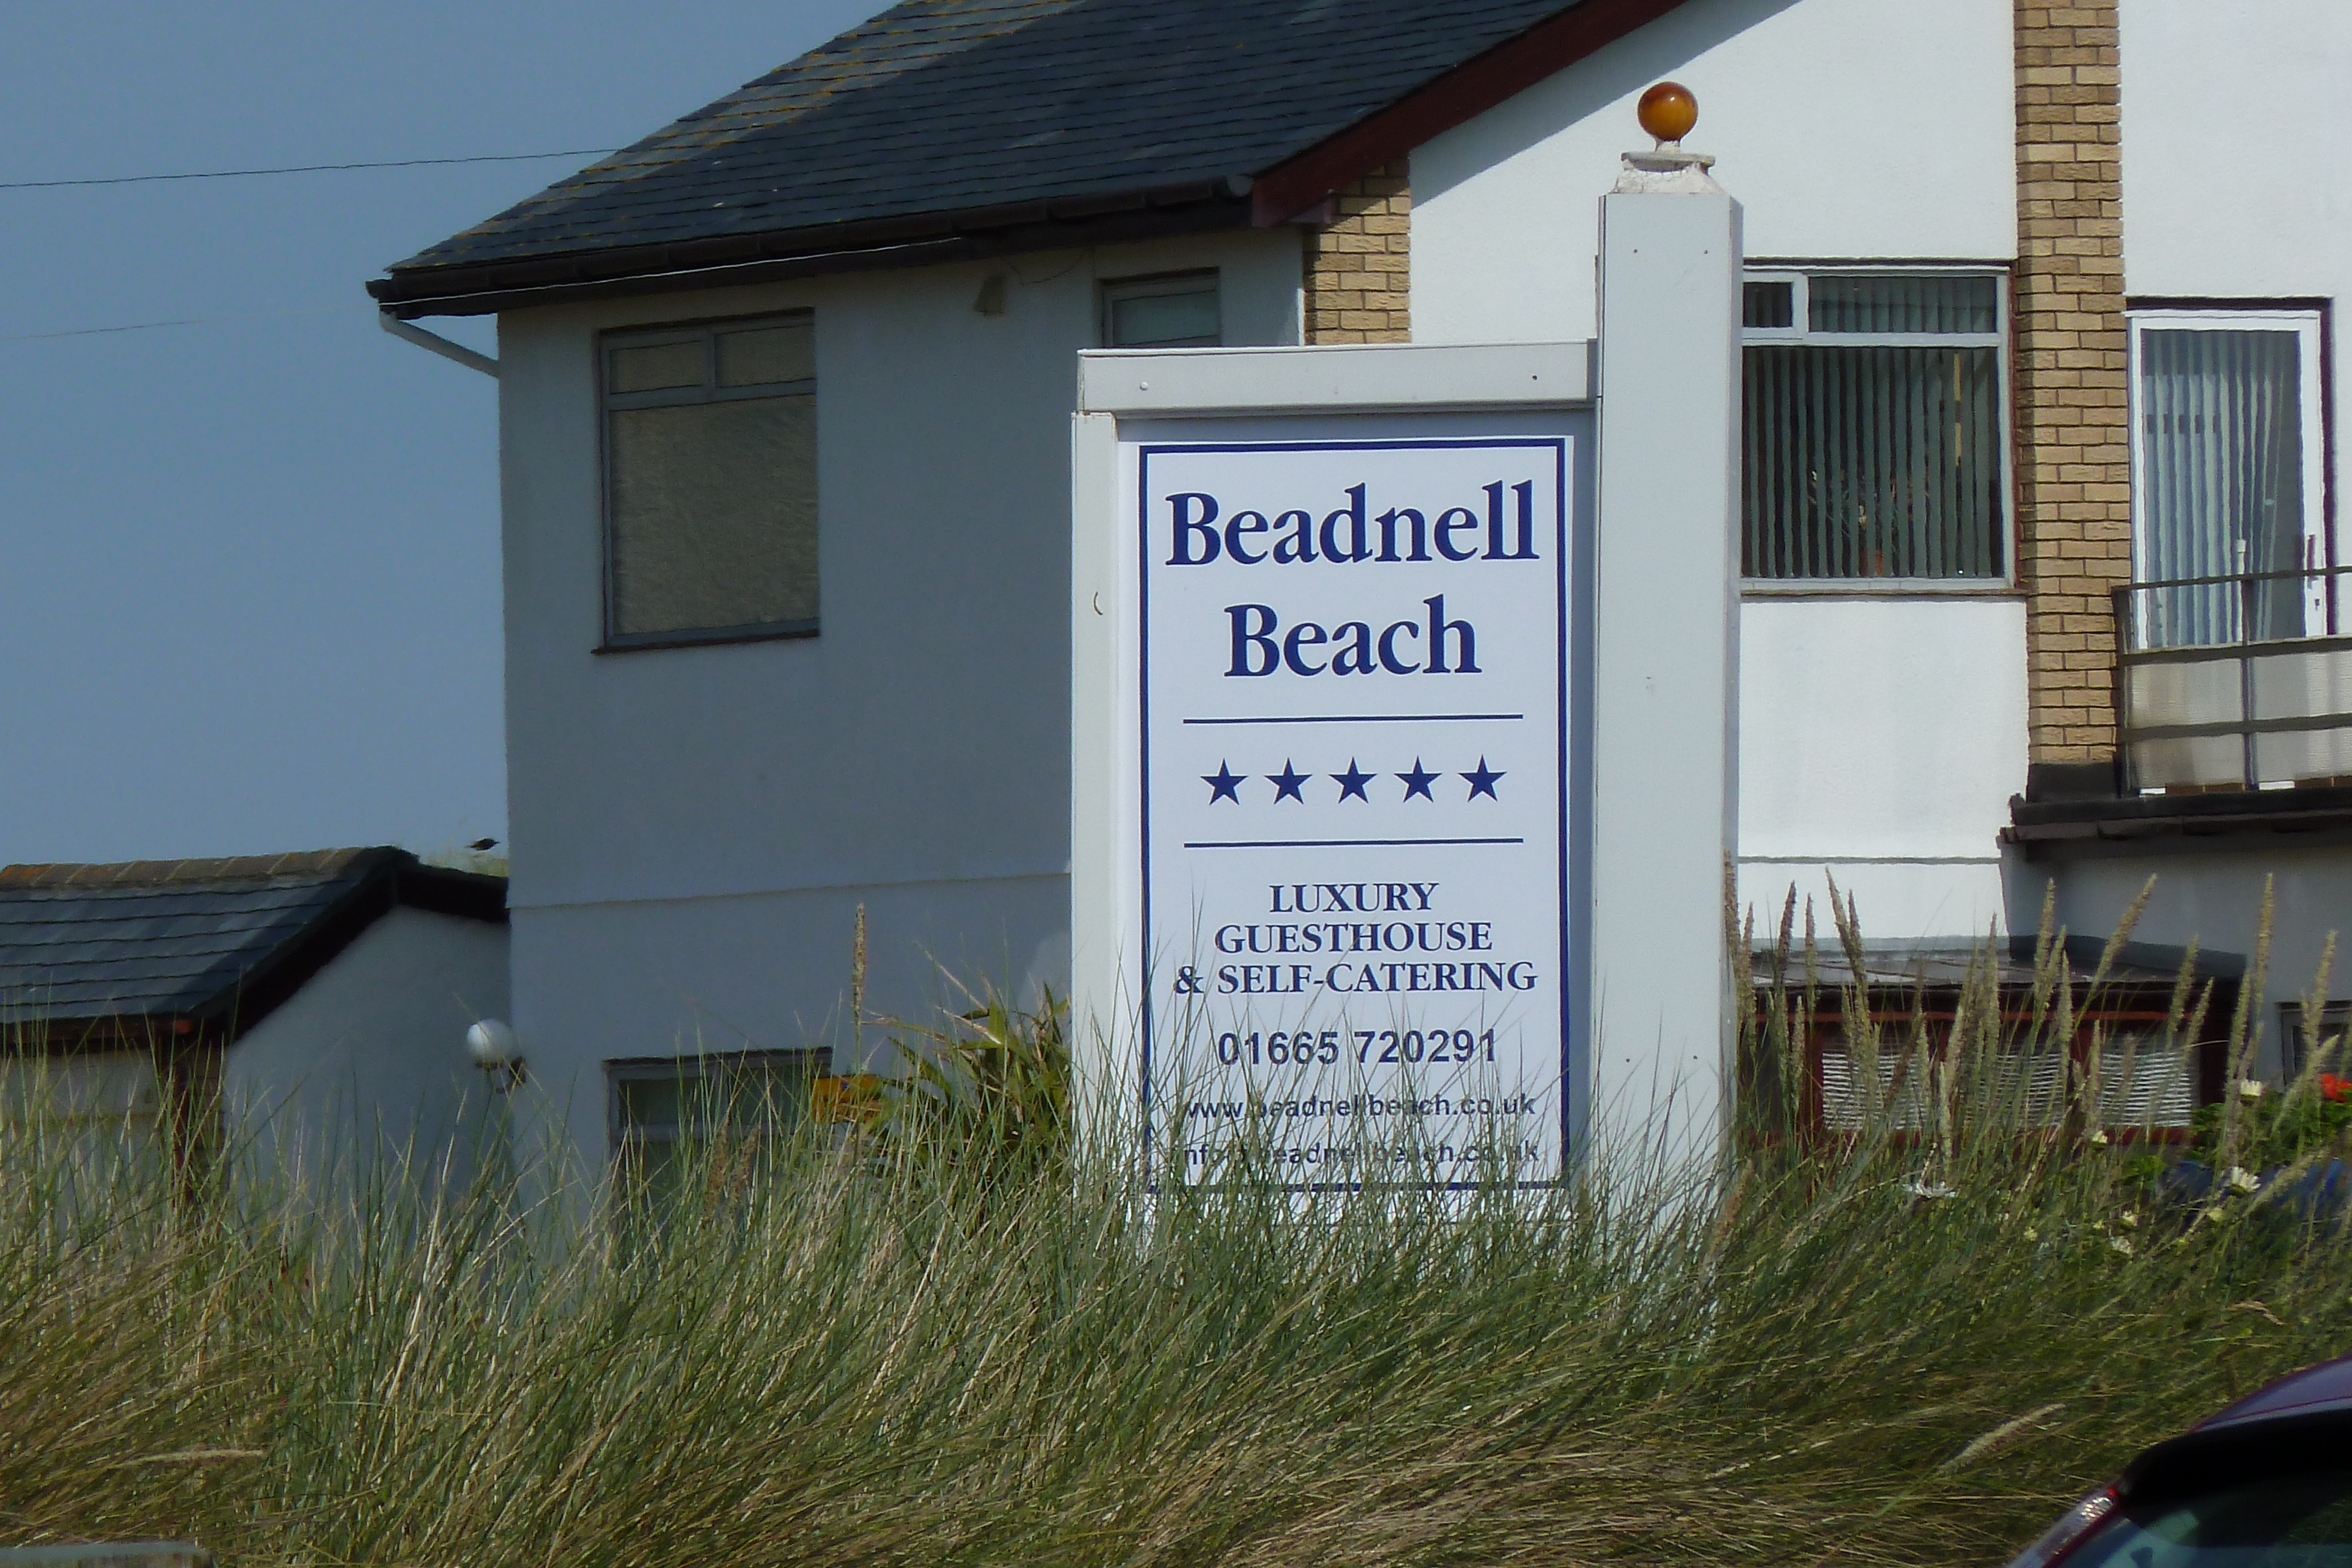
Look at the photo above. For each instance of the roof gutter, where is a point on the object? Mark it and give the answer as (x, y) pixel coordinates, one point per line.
(435, 342)
(919, 239)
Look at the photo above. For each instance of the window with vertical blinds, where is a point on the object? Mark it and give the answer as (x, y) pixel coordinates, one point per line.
(2221, 411)
(1871, 407)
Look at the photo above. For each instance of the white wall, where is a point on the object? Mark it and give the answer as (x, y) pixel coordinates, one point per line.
(1846, 128)
(2235, 138)
(2213, 895)
(693, 828)
(374, 1043)
(1880, 740)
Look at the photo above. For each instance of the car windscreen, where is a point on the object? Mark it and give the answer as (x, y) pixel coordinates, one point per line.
(2301, 1518)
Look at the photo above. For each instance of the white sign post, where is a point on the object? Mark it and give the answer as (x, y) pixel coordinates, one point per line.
(1337, 754)
(1405, 735)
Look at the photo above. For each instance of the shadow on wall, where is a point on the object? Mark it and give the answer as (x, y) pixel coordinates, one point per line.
(1616, 73)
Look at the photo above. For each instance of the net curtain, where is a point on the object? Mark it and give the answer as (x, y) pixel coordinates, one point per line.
(2220, 483)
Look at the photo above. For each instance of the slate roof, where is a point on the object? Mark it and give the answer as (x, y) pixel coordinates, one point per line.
(218, 942)
(968, 106)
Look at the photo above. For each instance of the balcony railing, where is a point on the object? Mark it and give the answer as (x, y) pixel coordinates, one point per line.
(2241, 682)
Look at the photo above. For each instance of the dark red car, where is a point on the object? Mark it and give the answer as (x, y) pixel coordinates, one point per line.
(2266, 1483)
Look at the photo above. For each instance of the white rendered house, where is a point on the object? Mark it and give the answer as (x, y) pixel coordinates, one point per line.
(2039, 310)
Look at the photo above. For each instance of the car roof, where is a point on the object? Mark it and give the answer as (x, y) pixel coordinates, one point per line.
(2327, 1386)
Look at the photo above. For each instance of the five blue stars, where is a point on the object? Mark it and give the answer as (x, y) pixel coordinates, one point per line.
(1355, 784)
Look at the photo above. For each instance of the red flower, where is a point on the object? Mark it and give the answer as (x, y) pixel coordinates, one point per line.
(2335, 1088)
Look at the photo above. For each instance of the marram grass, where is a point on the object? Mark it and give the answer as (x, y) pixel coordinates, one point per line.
(879, 1351)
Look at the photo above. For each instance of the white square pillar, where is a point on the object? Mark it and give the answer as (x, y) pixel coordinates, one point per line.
(1665, 796)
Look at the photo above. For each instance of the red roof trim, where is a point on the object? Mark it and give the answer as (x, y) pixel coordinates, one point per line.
(1467, 91)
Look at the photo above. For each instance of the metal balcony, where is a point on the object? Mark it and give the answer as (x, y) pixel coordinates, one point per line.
(2241, 682)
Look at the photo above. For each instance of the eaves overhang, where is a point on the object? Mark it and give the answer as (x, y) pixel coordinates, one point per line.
(919, 240)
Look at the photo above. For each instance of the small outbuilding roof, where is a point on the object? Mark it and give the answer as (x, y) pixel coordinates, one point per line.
(948, 127)
(217, 944)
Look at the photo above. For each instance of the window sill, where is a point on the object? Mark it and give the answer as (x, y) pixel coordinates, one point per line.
(782, 632)
(1876, 588)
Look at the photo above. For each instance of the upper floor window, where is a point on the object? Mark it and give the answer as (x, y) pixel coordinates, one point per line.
(2227, 455)
(1179, 310)
(710, 511)
(1872, 410)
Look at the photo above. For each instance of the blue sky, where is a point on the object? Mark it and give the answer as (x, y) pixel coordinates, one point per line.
(248, 567)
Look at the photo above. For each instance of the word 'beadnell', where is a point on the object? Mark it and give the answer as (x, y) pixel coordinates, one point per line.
(1347, 533)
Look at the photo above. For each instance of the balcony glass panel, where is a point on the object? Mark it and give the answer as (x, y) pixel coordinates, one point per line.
(2203, 690)
(2188, 762)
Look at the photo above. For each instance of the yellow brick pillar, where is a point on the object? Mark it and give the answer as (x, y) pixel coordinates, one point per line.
(2071, 372)
(1359, 266)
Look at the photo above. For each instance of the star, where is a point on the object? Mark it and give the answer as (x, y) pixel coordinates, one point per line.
(1483, 782)
(1417, 782)
(1288, 782)
(1224, 784)
(1352, 782)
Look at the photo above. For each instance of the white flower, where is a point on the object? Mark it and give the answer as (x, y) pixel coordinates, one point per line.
(2240, 1179)
(1924, 1190)
(2250, 1088)
(2118, 1244)
(2031, 1234)
(2128, 1220)
(2099, 1140)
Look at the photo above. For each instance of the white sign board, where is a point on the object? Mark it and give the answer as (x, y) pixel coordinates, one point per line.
(1352, 691)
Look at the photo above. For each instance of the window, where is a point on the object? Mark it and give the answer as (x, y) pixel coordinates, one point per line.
(664, 1110)
(2226, 456)
(2296, 1043)
(711, 483)
(1873, 413)
(1178, 311)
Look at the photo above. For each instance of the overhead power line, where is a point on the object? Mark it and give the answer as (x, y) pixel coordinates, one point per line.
(182, 321)
(303, 168)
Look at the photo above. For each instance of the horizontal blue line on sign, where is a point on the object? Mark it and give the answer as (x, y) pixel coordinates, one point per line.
(1370, 718)
(1336, 843)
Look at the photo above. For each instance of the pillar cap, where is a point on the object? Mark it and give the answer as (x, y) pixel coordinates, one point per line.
(1667, 171)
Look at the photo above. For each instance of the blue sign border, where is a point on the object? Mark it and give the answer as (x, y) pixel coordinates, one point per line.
(1573, 606)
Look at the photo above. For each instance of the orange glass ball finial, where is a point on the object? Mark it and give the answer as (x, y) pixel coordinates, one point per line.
(1668, 111)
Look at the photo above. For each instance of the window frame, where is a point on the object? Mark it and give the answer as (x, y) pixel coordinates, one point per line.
(2335, 1019)
(1110, 291)
(812, 1061)
(612, 639)
(1799, 272)
(2309, 319)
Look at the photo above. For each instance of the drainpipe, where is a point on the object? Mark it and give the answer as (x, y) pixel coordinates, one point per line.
(436, 343)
